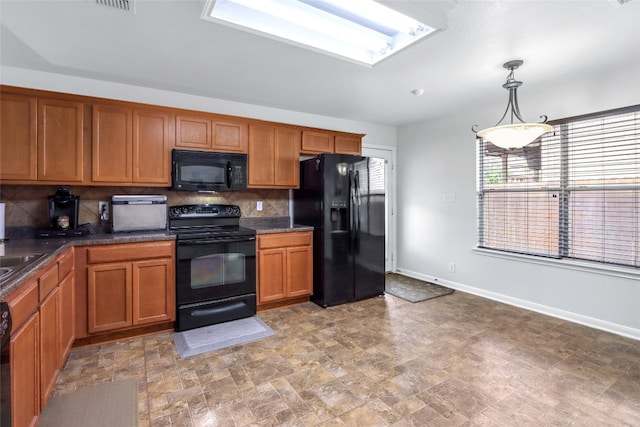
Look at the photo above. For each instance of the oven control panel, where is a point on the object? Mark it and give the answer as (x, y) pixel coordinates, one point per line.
(204, 211)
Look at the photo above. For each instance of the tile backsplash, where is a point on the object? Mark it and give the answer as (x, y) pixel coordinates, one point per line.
(26, 205)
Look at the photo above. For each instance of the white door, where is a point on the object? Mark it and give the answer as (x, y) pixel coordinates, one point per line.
(388, 154)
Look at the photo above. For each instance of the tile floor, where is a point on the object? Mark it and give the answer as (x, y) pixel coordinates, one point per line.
(457, 360)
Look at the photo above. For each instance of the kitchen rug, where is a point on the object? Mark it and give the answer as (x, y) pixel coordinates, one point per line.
(413, 290)
(104, 405)
(214, 337)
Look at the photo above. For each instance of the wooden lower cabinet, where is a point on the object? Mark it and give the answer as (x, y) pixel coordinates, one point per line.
(130, 291)
(43, 314)
(153, 289)
(67, 315)
(109, 297)
(25, 373)
(285, 267)
(49, 344)
(24, 352)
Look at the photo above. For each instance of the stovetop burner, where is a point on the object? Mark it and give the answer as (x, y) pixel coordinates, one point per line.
(206, 220)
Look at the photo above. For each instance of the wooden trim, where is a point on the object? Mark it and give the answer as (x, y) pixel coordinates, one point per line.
(283, 303)
(132, 332)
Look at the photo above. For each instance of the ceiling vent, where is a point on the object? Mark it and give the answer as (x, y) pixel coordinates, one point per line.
(126, 5)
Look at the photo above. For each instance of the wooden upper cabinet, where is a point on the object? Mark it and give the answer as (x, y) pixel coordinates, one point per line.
(60, 140)
(273, 157)
(18, 119)
(112, 136)
(287, 158)
(229, 136)
(152, 141)
(344, 144)
(261, 155)
(316, 142)
(131, 146)
(193, 132)
(209, 133)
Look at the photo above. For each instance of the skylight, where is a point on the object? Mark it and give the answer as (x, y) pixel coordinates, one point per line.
(360, 30)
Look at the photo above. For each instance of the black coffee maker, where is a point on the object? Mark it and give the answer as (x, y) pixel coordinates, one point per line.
(63, 210)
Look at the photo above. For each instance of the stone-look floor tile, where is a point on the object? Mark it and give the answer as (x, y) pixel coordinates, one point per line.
(457, 360)
(362, 416)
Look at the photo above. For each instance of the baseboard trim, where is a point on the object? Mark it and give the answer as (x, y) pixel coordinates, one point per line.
(569, 316)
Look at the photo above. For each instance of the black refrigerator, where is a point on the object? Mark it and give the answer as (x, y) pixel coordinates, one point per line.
(343, 198)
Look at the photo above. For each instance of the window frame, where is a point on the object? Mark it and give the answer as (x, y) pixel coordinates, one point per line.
(563, 259)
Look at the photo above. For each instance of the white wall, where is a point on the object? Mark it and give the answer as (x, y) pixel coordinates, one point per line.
(437, 158)
(375, 134)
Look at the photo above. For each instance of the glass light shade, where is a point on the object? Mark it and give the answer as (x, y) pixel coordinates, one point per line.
(515, 135)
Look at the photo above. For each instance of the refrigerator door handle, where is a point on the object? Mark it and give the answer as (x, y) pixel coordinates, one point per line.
(352, 212)
(356, 186)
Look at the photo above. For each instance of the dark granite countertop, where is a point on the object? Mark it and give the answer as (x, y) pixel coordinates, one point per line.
(50, 248)
(287, 229)
(280, 224)
(22, 243)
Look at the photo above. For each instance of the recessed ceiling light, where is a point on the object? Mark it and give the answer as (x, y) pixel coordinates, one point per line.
(363, 31)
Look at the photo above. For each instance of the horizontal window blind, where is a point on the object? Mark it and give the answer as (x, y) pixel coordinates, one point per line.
(573, 193)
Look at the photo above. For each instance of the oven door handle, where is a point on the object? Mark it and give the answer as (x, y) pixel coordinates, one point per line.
(205, 241)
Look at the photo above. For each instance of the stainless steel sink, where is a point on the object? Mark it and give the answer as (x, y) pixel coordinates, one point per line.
(5, 271)
(16, 261)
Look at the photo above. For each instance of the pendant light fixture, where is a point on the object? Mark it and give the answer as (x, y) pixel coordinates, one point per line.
(513, 135)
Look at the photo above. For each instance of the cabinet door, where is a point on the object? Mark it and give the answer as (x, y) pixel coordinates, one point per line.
(67, 316)
(111, 158)
(108, 297)
(154, 291)
(193, 132)
(271, 275)
(25, 373)
(261, 155)
(317, 142)
(348, 145)
(229, 136)
(152, 141)
(18, 154)
(299, 271)
(60, 141)
(287, 158)
(49, 344)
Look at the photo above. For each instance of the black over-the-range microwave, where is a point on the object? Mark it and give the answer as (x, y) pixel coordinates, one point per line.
(208, 171)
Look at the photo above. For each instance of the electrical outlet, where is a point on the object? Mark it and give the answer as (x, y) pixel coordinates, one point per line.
(103, 211)
(452, 267)
(259, 205)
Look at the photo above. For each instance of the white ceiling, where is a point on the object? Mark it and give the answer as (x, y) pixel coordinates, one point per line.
(166, 45)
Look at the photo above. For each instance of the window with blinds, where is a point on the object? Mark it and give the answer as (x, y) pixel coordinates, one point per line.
(573, 193)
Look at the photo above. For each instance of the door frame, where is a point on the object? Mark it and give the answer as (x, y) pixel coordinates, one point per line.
(389, 154)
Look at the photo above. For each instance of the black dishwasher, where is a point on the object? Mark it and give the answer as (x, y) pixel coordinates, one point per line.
(5, 375)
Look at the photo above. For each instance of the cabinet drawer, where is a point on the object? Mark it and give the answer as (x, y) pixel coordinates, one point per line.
(129, 252)
(281, 240)
(23, 303)
(48, 281)
(65, 264)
